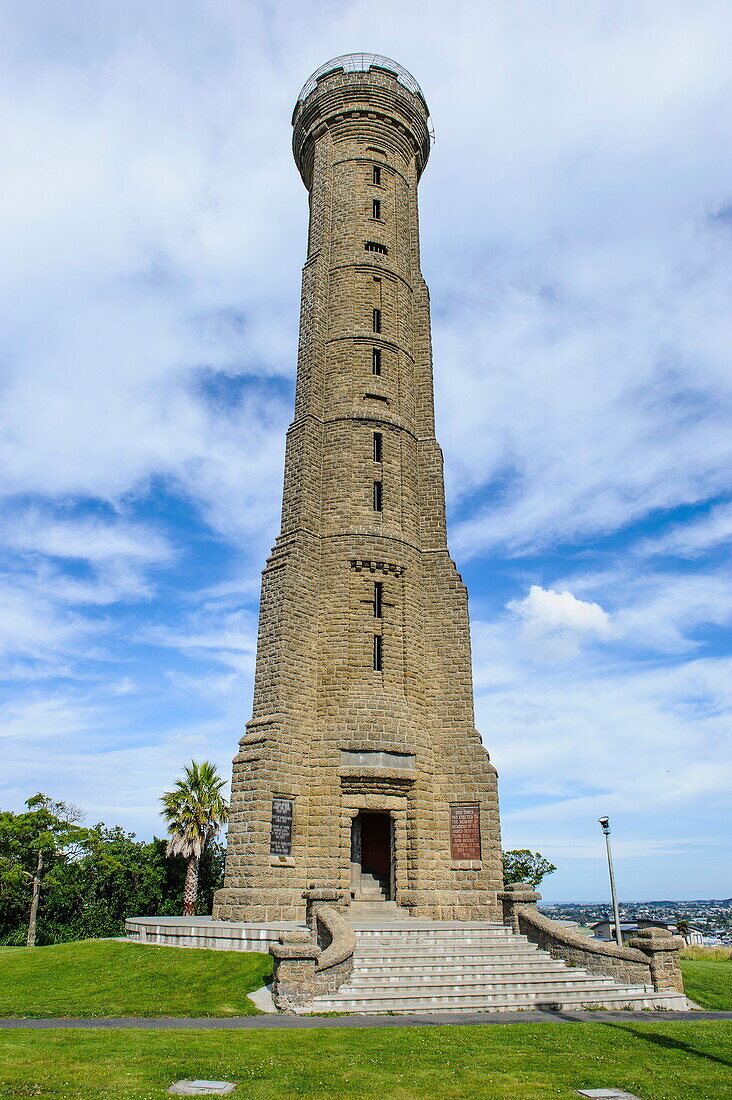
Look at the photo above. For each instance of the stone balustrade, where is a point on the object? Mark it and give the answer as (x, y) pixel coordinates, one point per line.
(318, 961)
(651, 958)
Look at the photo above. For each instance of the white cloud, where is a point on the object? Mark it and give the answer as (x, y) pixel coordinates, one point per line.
(669, 610)
(561, 617)
(659, 611)
(692, 539)
(581, 738)
(232, 641)
(92, 540)
(579, 295)
(34, 628)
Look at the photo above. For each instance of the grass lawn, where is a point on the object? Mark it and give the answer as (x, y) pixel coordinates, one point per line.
(109, 978)
(656, 1061)
(709, 982)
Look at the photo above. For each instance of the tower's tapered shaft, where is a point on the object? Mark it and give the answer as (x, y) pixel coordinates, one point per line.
(362, 731)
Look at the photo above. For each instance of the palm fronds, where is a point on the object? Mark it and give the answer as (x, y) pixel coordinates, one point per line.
(195, 810)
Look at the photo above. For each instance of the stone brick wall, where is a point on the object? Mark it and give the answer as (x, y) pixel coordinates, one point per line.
(651, 959)
(316, 692)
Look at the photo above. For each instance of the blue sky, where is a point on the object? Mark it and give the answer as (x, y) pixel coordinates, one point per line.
(576, 236)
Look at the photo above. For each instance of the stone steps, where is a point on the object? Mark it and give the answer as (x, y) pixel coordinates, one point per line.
(457, 971)
(451, 957)
(379, 927)
(373, 889)
(618, 998)
(424, 938)
(477, 983)
(405, 932)
(440, 966)
(437, 951)
(376, 911)
(446, 956)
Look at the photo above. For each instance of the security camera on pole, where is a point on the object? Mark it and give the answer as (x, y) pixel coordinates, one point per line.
(605, 823)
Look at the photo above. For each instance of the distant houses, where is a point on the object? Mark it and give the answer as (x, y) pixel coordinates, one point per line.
(605, 930)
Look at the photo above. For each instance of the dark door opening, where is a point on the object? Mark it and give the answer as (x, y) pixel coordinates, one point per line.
(371, 856)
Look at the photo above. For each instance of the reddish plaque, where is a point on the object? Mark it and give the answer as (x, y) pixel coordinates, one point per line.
(465, 831)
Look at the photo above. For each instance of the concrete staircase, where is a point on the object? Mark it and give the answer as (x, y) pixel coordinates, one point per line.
(375, 914)
(404, 964)
(373, 887)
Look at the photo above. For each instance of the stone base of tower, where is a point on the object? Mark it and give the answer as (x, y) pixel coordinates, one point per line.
(379, 828)
(449, 905)
(251, 904)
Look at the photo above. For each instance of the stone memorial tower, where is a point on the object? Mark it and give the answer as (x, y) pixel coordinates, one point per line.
(361, 768)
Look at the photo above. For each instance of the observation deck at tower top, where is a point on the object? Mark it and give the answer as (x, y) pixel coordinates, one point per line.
(353, 86)
(361, 63)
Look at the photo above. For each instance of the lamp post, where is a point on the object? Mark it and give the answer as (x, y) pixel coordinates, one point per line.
(605, 823)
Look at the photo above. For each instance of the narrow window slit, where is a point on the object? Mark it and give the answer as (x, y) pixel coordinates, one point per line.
(378, 446)
(376, 209)
(377, 320)
(376, 360)
(378, 599)
(378, 496)
(376, 177)
(378, 653)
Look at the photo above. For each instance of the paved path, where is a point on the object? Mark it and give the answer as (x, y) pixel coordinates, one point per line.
(428, 1019)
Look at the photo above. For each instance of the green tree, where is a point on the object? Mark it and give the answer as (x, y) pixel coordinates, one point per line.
(106, 876)
(194, 810)
(31, 844)
(115, 876)
(521, 865)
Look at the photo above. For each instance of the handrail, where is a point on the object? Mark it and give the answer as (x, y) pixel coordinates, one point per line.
(651, 959)
(317, 961)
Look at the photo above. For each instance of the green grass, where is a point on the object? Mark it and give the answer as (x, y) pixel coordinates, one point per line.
(110, 978)
(709, 982)
(714, 953)
(656, 1061)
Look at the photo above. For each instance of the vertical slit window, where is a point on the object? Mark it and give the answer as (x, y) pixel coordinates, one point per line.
(376, 177)
(378, 446)
(376, 360)
(376, 208)
(378, 653)
(377, 320)
(378, 599)
(378, 496)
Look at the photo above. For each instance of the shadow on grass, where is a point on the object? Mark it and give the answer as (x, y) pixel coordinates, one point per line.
(668, 1043)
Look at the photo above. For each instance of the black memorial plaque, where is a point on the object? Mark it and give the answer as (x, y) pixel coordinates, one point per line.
(465, 831)
(280, 843)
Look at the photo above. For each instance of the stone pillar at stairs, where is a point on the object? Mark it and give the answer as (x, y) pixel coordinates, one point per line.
(513, 895)
(662, 950)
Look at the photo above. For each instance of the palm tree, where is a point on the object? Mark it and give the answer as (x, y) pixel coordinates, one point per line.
(194, 810)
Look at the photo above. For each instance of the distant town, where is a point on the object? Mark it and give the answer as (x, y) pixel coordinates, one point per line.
(712, 918)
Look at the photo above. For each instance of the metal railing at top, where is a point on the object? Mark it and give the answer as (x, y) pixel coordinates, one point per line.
(360, 63)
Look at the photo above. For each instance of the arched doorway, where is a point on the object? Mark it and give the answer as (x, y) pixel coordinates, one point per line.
(372, 861)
